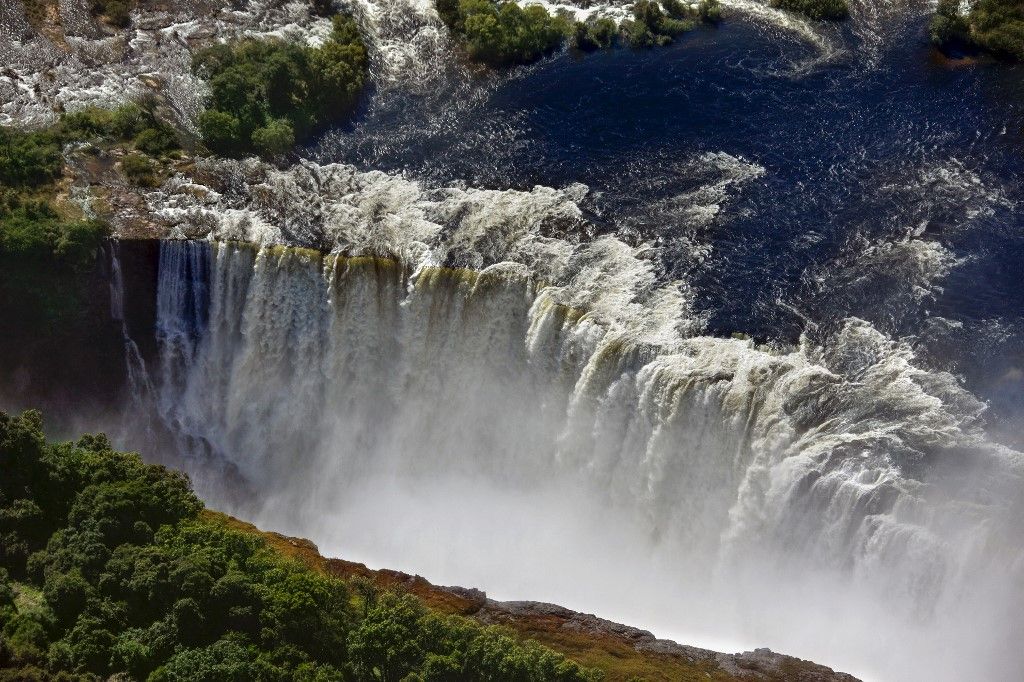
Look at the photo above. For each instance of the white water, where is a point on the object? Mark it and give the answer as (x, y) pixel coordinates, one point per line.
(831, 501)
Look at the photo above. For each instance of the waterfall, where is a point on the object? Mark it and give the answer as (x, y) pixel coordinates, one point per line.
(137, 380)
(392, 412)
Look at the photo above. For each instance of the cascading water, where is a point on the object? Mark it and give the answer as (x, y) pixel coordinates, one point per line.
(553, 422)
(137, 379)
(400, 416)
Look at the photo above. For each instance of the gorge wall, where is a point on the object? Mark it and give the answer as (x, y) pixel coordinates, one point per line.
(467, 425)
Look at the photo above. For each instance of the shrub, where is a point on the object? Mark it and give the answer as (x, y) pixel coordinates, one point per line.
(198, 601)
(819, 10)
(502, 34)
(156, 140)
(266, 94)
(45, 264)
(29, 159)
(139, 169)
(658, 24)
(130, 122)
(998, 27)
(710, 11)
(116, 12)
(596, 34)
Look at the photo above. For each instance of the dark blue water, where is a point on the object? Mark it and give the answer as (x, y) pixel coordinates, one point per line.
(883, 183)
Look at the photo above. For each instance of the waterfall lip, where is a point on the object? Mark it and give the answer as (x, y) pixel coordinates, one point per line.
(826, 455)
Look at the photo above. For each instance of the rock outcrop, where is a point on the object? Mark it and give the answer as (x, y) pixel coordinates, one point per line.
(625, 653)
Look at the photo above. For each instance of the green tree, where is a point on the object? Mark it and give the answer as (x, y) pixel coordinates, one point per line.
(274, 139)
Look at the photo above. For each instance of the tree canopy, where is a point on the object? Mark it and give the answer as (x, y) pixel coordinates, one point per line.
(109, 566)
(268, 94)
(995, 26)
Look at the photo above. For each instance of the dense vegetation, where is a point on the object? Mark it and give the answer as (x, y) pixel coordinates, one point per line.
(267, 94)
(49, 250)
(819, 10)
(501, 33)
(109, 566)
(44, 254)
(995, 26)
(116, 12)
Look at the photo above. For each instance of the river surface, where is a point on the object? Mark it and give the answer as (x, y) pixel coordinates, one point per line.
(736, 355)
(793, 174)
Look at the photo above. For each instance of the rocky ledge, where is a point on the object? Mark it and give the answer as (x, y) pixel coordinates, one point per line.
(625, 653)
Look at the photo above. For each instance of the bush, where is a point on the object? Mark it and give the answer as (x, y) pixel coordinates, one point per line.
(116, 12)
(659, 24)
(710, 11)
(131, 122)
(818, 10)
(46, 262)
(949, 28)
(501, 33)
(504, 34)
(195, 600)
(266, 94)
(995, 26)
(596, 34)
(998, 27)
(139, 169)
(29, 159)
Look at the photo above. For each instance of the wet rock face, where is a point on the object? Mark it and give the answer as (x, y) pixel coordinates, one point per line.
(760, 664)
(75, 373)
(586, 637)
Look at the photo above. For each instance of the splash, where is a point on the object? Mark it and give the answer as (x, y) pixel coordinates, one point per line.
(370, 403)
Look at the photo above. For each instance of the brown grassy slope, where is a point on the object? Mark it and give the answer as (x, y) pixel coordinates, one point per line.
(624, 653)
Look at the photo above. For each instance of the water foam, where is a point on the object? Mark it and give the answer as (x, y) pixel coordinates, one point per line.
(745, 478)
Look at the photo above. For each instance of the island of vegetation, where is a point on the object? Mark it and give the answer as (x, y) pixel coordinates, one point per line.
(111, 567)
(266, 94)
(504, 33)
(818, 10)
(992, 26)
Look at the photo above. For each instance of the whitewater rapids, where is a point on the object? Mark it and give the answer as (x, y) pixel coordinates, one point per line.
(831, 501)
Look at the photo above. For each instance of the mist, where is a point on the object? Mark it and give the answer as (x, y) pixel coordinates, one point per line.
(833, 502)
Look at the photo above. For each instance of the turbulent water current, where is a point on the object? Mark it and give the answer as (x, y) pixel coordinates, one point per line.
(722, 339)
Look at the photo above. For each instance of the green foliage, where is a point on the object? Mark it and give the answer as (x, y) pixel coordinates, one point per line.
(819, 10)
(275, 138)
(116, 12)
(995, 26)
(44, 260)
(505, 33)
(595, 34)
(710, 11)
(266, 94)
(139, 169)
(29, 158)
(135, 122)
(501, 33)
(131, 579)
(651, 25)
(948, 27)
(998, 27)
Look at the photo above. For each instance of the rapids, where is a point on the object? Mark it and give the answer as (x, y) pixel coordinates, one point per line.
(470, 426)
(721, 340)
